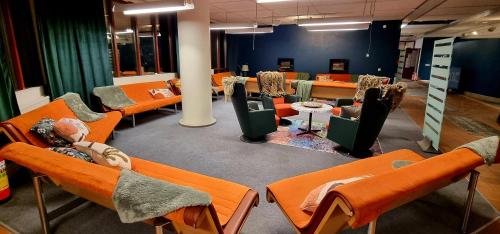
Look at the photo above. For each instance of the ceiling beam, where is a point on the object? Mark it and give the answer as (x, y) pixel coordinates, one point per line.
(422, 9)
(465, 20)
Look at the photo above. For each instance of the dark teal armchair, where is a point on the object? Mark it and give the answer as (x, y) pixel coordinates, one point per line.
(358, 136)
(255, 124)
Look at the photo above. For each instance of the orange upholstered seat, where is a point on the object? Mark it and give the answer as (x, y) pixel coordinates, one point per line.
(291, 75)
(144, 101)
(218, 77)
(99, 130)
(337, 110)
(365, 200)
(96, 183)
(285, 109)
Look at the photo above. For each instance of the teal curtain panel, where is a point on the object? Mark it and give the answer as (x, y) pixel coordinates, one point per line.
(8, 103)
(74, 43)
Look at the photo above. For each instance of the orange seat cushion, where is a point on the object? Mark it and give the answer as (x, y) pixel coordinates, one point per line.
(98, 131)
(284, 110)
(277, 119)
(337, 110)
(217, 78)
(290, 193)
(278, 100)
(291, 75)
(154, 104)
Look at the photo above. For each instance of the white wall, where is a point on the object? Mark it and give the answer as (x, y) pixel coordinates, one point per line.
(143, 79)
(31, 98)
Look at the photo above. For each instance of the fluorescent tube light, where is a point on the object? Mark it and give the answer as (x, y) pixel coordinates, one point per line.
(403, 25)
(333, 21)
(339, 28)
(231, 26)
(127, 31)
(335, 29)
(155, 7)
(251, 31)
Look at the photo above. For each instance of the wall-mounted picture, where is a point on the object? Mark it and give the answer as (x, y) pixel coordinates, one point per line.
(338, 66)
(285, 64)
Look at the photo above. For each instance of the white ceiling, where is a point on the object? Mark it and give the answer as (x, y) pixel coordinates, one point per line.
(244, 11)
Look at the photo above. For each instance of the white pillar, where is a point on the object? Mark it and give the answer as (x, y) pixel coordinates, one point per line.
(195, 65)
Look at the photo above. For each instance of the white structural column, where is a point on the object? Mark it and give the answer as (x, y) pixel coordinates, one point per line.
(194, 57)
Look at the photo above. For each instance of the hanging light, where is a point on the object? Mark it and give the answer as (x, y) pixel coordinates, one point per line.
(231, 26)
(263, 30)
(336, 28)
(155, 7)
(333, 21)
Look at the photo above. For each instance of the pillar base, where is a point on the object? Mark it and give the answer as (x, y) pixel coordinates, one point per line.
(197, 125)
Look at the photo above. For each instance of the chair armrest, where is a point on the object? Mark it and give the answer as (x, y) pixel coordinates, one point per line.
(267, 102)
(262, 118)
(292, 98)
(253, 106)
(344, 102)
(342, 130)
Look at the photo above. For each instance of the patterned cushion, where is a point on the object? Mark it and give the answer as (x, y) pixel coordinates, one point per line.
(350, 112)
(44, 129)
(72, 130)
(314, 197)
(161, 93)
(104, 155)
(366, 82)
(72, 153)
(323, 78)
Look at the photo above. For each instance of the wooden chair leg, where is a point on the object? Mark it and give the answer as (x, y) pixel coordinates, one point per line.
(372, 226)
(40, 202)
(474, 175)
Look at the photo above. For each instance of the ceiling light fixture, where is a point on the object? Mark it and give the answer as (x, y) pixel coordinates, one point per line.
(336, 29)
(231, 26)
(127, 31)
(474, 33)
(339, 28)
(155, 7)
(271, 1)
(333, 22)
(251, 31)
(403, 25)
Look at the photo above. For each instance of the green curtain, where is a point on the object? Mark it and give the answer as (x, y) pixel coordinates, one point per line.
(73, 38)
(8, 103)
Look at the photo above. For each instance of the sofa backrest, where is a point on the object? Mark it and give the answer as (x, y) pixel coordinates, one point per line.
(374, 112)
(337, 77)
(140, 92)
(291, 75)
(217, 78)
(54, 110)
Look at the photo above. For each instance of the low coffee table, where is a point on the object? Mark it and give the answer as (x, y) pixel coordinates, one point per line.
(298, 106)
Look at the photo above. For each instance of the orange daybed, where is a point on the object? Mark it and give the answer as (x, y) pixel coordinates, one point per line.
(217, 81)
(362, 202)
(231, 202)
(144, 101)
(18, 128)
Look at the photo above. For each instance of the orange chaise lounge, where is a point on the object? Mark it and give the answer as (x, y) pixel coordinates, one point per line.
(144, 101)
(362, 202)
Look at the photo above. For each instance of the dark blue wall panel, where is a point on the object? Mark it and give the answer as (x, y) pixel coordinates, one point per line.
(479, 61)
(424, 72)
(312, 51)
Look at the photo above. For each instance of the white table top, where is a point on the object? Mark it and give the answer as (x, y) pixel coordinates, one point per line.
(300, 108)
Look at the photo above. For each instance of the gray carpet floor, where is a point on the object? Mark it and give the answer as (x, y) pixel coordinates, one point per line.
(216, 151)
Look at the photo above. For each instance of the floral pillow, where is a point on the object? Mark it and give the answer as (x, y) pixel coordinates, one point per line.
(72, 153)
(72, 130)
(104, 155)
(44, 129)
(161, 93)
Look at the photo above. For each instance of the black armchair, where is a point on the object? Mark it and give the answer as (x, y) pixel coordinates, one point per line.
(255, 124)
(359, 135)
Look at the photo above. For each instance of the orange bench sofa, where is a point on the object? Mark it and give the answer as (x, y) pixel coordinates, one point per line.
(217, 81)
(231, 202)
(144, 101)
(362, 202)
(18, 128)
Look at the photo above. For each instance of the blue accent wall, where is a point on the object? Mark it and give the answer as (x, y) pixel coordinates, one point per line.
(312, 51)
(479, 61)
(424, 72)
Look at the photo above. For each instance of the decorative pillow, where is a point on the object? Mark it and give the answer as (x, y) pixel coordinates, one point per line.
(323, 78)
(350, 112)
(315, 197)
(72, 153)
(161, 93)
(44, 129)
(72, 130)
(366, 82)
(104, 154)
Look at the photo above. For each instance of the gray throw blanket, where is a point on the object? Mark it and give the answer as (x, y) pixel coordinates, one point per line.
(80, 109)
(487, 148)
(138, 198)
(303, 89)
(113, 97)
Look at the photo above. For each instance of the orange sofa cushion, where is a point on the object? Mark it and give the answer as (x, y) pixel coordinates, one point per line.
(154, 104)
(144, 101)
(278, 100)
(101, 181)
(98, 130)
(217, 78)
(284, 110)
(277, 119)
(347, 85)
(337, 110)
(291, 75)
(290, 193)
